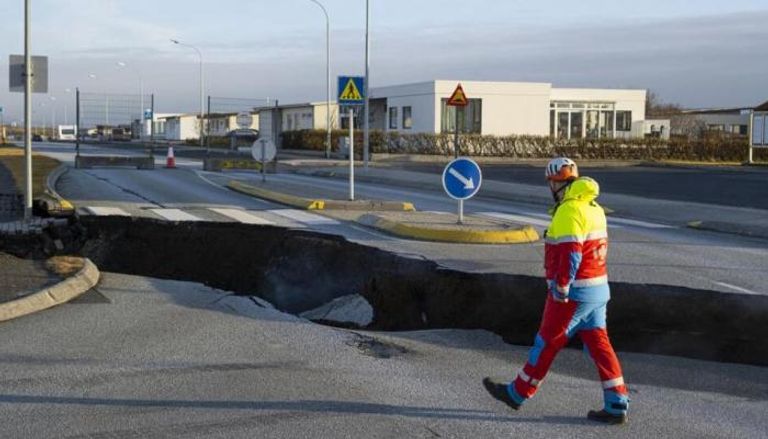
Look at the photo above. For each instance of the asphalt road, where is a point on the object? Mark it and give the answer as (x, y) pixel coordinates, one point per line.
(641, 252)
(727, 186)
(144, 358)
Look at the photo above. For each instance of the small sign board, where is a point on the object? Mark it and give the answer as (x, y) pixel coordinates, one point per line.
(462, 178)
(269, 150)
(458, 98)
(244, 120)
(351, 90)
(148, 114)
(17, 78)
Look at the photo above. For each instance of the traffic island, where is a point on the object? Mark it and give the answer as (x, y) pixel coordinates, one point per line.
(80, 276)
(295, 196)
(441, 227)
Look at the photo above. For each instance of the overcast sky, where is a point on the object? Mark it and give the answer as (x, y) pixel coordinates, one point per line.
(699, 53)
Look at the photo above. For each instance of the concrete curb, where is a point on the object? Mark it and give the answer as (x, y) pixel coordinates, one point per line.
(60, 205)
(62, 292)
(729, 228)
(522, 235)
(318, 204)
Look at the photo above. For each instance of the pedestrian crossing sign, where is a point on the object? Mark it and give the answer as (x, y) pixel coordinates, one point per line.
(351, 90)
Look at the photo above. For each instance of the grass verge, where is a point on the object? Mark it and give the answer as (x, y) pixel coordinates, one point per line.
(13, 160)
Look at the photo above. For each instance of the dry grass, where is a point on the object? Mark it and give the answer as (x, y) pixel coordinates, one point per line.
(64, 266)
(13, 160)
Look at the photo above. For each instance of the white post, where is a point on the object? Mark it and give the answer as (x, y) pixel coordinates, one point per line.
(751, 123)
(461, 211)
(27, 113)
(367, 111)
(351, 154)
(263, 161)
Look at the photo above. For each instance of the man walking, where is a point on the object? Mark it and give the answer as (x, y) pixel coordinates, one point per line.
(577, 294)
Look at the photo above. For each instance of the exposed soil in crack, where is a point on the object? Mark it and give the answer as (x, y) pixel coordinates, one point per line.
(300, 270)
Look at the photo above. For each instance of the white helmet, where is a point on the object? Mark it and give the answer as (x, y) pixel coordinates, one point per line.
(561, 169)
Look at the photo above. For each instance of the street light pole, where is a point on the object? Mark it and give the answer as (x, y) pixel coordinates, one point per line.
(27, 113)
(141, 99)
(327, 79)
(202, 99)
(367, 111)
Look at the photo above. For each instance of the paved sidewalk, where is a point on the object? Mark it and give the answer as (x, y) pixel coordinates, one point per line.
(10, 199)
(20, 277)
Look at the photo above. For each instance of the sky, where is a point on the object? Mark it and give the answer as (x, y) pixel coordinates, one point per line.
(698, 53)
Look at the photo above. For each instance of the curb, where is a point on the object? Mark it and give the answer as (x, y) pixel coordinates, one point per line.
(318, 204)
(58, 205)
(729, 228)
(58, 294)
(523, 235)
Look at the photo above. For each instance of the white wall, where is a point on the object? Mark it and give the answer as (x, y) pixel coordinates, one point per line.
(420, 97)
(298, 118)
(320, 110)
(507, 107)
(182, 128)
(520, 108)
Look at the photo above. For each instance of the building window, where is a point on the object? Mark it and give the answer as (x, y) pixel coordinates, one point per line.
(470, 117)
(407, 118)
(392, 118)
(623, 121)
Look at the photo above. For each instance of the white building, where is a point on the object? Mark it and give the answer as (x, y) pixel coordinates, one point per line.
(307, 116)
(508, 108)
(221, 124)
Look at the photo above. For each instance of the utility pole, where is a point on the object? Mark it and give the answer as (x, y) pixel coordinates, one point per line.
(27, 113)
(367, 110)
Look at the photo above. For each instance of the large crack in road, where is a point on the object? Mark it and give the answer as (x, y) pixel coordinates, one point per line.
(298, 270)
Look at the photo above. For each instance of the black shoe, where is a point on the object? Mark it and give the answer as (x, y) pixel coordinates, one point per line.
(607, 418)
(499, 391)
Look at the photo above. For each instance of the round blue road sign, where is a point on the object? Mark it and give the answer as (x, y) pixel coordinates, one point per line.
(462, 178)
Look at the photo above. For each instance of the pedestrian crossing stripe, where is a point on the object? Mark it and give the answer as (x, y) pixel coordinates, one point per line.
(351, 92)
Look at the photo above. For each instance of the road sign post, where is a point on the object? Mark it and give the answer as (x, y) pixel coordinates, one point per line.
(351, 94)
(263, 150)
(462, 178)
(458, 99)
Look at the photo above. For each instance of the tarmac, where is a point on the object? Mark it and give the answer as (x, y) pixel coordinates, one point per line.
(398, 218)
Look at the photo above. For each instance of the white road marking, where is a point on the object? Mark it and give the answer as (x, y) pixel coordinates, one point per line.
(734, 287)
(304, 217)
(106, 211)
(629, 222)
(175, 215)
(241, 216)
(515, 218)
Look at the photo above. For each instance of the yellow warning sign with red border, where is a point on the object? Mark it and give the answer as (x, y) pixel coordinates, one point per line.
(458, 98)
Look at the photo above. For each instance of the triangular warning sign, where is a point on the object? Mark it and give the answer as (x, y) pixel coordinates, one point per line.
(351, 92)
(458, 98)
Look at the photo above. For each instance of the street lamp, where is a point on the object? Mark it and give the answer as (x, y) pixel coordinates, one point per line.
(200, 54)
(328, 78)
(121, 65)
(366, 118)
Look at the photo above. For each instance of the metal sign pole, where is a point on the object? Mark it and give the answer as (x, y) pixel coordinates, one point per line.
(456, 136)
(208, 131)
(152, 129)
(27, 112)
(351, 154)
(263, 161)
(749, 134)
(77, 124)
(461, 212)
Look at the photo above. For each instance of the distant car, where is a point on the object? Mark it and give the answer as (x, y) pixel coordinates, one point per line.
(37, 138)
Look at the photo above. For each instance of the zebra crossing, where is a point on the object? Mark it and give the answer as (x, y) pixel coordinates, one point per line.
(284, 217)
(301, 218)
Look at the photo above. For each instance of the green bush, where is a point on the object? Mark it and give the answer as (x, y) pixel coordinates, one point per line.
(714, 147)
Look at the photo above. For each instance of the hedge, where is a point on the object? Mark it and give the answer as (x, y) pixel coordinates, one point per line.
(713, 147)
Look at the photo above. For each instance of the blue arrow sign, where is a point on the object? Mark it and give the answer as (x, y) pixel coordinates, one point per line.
(462, 178)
